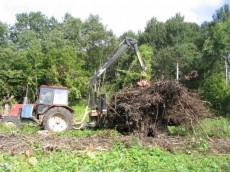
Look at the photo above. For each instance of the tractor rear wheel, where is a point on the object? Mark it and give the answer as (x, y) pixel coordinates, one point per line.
(12, 121)
(58, 119)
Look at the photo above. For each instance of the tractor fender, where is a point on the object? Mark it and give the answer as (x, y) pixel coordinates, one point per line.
(41, 116)
(64, 106)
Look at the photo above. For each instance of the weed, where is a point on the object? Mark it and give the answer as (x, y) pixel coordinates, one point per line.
(87, 132)
(8, 130)
(74, 133)
(29, 128)
(203, 145)
(177, 130)
(215, 127)
(211, 127)
(79, 110)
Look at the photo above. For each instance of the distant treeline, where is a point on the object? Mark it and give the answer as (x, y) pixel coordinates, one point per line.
(38, 50)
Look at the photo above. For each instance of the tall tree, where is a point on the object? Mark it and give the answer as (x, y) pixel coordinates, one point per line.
(222, 14)
(154, 34)
(98, 42)
(10, 78)
(215, 50)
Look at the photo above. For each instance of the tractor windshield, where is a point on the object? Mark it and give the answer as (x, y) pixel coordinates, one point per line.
(53, 96)
(46, 96)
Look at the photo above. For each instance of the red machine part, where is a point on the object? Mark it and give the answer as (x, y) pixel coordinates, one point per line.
(143, 83)
(15, 109)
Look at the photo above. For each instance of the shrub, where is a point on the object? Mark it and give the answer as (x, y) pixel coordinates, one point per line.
(217, 92)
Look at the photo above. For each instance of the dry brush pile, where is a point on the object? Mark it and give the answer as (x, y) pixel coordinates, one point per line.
(150, 110)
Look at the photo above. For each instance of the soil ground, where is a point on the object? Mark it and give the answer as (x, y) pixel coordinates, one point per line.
(19, 144)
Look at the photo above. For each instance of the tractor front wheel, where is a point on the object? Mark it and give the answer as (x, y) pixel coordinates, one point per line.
(12, 121)
(58, 119)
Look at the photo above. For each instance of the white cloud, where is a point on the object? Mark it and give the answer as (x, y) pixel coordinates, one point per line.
(119, 15)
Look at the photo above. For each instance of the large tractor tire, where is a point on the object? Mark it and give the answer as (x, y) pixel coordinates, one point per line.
(12, 121)
(58, 119)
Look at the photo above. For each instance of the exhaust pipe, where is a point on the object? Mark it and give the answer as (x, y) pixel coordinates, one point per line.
(25, 99)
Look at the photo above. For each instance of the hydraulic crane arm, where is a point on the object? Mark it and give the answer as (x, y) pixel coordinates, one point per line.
(126, 43)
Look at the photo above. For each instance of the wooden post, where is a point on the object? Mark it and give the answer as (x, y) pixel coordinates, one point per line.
(177, 71)
(226, 72)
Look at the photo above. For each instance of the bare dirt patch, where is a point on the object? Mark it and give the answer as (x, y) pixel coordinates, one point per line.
(19, 144)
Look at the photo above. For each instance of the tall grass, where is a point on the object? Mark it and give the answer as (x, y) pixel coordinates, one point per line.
(209, 127)
(214, 127)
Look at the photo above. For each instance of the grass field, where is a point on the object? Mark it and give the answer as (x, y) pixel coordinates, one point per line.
(131, 155)
(119, 158)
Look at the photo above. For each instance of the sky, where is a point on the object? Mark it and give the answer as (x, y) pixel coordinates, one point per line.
(117, 15)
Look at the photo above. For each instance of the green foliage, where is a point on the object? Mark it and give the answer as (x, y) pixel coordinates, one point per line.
(167, 58)
(129, 34)
(28, 128)
(217, 127)
(130, 69)
(216, 45)
(173, 41)
(154, 34)
(88, 132)
(128, 78)
(222, 14)
(177, 130)
(202, 145)
(3, 34)
(209, 127)
(119, 158)
(39, 50)
(79, 109)
(175, 27)
(8, 129)
(44, 51)
(215, 90)
(75, 133)
(173, 32)
(97, 43)
(148, 56)
(123, 156)
(215, 50)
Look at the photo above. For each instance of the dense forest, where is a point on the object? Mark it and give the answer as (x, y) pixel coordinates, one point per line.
(38, 50)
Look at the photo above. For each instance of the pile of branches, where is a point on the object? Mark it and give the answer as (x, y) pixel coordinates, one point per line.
(150, 110)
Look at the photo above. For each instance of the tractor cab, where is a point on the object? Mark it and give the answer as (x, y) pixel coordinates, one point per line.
(52, 96)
